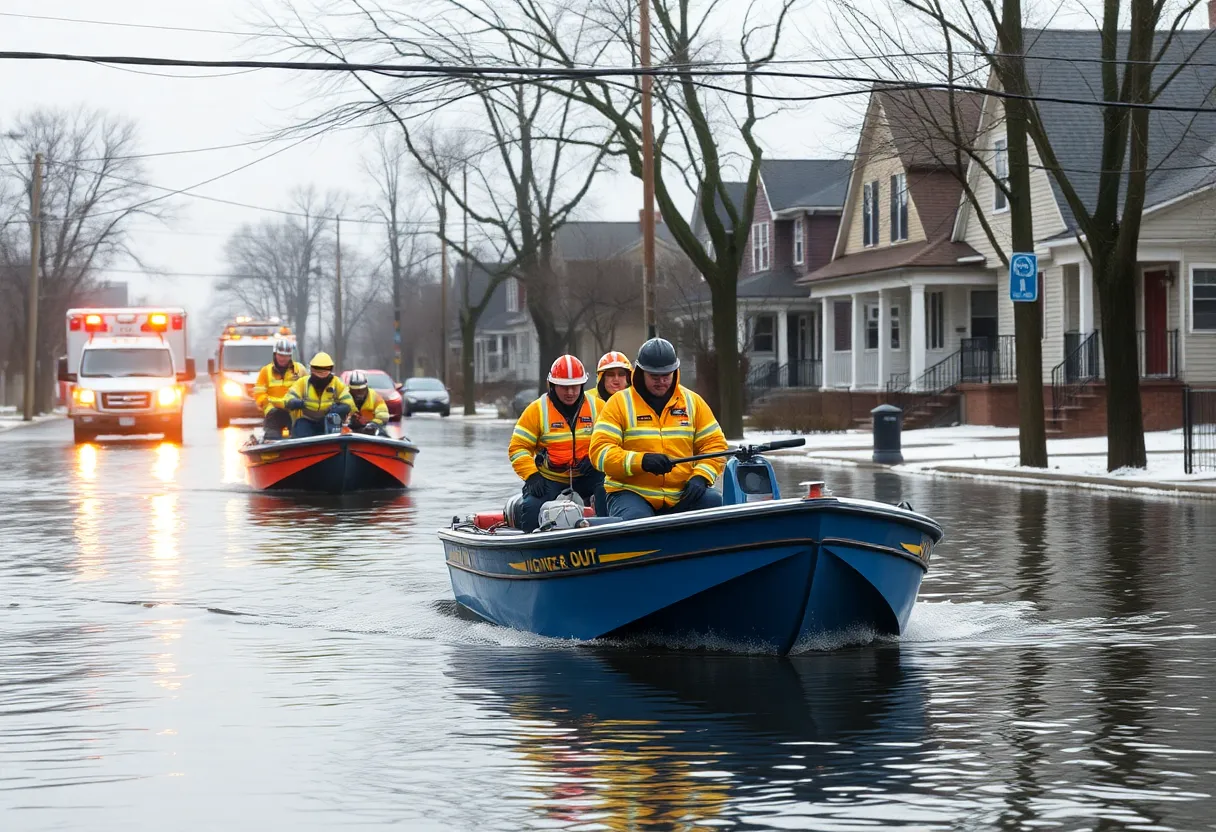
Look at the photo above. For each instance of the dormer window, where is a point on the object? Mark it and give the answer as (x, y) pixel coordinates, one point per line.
(761, 248)
(799, 242)
(899, 208)
(869, 213)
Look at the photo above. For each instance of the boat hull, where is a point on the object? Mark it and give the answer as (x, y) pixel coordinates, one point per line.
(334, 464)
(766, 577)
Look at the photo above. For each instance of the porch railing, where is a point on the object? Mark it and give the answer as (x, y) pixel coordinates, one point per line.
(988, 360)
(1073, 376)
(769, 376)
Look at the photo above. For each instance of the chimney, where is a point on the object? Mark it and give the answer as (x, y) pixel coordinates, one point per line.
(1212, 14)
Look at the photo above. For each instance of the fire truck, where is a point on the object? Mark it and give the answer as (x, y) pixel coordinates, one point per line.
(127, 370)
(246, 346)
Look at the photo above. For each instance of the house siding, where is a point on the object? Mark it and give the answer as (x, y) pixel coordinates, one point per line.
(761, 213)
(783, 244)
(882, 163)
(821, 231)
(1193, 219)
(1199, 348)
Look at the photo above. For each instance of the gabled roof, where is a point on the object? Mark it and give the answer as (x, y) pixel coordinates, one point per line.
(788, 184)
(1182, 145)
(495, 318)
(779, 283)
(735, 191)
(927, 126)
(595, 240)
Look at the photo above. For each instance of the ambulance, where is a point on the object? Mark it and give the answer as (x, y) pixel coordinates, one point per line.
(127, 370)
(246, 346)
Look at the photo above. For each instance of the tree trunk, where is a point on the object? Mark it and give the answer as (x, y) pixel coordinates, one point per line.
(1124, 415)
(726, 348)
(301, 328)
(551, 343)
(468, 328)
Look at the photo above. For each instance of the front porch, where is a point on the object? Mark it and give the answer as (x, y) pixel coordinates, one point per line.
(782, 345)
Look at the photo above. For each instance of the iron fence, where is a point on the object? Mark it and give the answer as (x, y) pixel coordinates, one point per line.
(1198, 430)
(988, 360)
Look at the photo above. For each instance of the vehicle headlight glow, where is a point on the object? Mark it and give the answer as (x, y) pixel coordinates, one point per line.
(167, 396)
(233, 390)
(85, 396)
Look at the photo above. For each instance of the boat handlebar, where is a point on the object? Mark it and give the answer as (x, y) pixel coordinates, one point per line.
(746, 451)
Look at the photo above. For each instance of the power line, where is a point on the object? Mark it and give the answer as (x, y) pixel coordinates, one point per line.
(523, 73)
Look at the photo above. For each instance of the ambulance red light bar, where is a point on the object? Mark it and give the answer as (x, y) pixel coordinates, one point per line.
(94, 323)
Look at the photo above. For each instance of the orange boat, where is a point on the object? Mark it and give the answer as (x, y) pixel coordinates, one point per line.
(338, 463)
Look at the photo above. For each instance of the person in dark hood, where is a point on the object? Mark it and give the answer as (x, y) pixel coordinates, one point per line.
(312, 398)
(642, 431)
(548, 447)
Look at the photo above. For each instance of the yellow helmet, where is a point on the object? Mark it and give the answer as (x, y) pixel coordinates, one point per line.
(321, 360)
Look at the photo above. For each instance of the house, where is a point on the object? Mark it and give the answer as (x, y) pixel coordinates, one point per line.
(504, 343)
(793, 228)
(1176, 282)
(900, 294)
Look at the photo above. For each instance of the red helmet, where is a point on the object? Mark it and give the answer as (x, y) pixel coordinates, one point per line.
(567, 371)
(614, 359)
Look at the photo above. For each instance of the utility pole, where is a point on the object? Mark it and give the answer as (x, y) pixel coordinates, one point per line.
(31, 321)
(648, 276)
(339, 340)
(443, 288)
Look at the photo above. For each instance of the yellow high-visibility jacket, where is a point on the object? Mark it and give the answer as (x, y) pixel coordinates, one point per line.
(270, 390)
(628, 428)
(315, 407)
(542, 427)
(374, 410)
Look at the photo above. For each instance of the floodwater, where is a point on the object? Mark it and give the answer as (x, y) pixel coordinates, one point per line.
(179, 653)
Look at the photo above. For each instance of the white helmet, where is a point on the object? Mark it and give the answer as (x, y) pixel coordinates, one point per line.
(283, 347)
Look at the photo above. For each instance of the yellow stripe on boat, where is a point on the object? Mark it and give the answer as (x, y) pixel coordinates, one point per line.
(913, 548)
(619, 556)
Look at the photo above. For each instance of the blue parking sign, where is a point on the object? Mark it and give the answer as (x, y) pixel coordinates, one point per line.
(1024, 278)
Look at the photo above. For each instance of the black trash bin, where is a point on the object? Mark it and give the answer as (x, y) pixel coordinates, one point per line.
(888, 425)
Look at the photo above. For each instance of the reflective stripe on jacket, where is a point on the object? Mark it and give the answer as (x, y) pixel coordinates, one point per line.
(374, 410)
(315, 407)
(270, 390)
(542, 427)
(628, 428)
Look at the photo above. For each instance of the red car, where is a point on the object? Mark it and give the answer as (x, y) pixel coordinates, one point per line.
(382, 383)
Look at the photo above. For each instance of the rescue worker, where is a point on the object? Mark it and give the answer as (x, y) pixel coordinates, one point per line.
(270, 390)
(371, 413)
(641, 432)
(316, 396)
(548, 448)
(611, 376)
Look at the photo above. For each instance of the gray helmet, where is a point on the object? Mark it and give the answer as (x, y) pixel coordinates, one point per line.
(657, 356)
(283, 347)
(357, 381)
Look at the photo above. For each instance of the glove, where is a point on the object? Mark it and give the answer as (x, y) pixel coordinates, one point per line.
(584, 467)
(371, 428)
(693, 491)
(295, 404)
(540, 459)
(535, 485)
(341, 409)
(657, 464)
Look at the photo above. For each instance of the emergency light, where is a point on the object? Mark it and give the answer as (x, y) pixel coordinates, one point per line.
(94, 323)
(157, 322)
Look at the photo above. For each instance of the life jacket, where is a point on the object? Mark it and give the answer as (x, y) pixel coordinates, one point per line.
(542, 427)
(372, 410)
(270, 390)
(316, 406)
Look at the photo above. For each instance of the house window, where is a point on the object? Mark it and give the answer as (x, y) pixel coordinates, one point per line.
(708, 245)
(935, 311)
(799, 234)
(761, 260)
(869, 213)
(1000, 168)
(899, 207)
(764, 333)
(871, 327)
(1203, 300)
(515, 294)
(895, 336)
(842, 316)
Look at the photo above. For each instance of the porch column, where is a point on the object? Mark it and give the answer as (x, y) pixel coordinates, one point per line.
(1085, 298)
(783, 337)
(916, 335)
(1182, 280)
(857, 343)
(827, 332)
(884, 337)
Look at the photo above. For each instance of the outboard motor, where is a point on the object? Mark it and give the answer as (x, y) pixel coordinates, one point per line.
(510, 511)
(749, 480)
(565, 512)
(333, 423)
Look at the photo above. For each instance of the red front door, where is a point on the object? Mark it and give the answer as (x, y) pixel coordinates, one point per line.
(1156, 340)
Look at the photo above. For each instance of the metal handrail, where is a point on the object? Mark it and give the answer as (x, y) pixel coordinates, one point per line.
(1073, 376)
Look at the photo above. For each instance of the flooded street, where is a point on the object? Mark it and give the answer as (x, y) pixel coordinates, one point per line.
(177, 652)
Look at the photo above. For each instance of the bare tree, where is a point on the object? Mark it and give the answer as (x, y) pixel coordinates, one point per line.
(1108, 222)
(609, 299)
(275, 266)
(91, 191)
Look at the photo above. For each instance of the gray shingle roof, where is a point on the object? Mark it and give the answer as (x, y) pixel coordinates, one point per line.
(806, 183)
(594, 240)
(1181, 145)
(776, 283)
(495, 318)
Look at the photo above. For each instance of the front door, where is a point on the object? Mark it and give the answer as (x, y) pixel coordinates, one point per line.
(803, 349)
(1156, 341)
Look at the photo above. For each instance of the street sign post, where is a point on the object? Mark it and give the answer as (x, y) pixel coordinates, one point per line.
(1024, 278)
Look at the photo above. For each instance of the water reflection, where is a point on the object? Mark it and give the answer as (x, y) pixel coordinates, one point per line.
(167, 458)
(90, 552)
(632, 741)
(86, 462)
(163, 571)
(328, 531)
(231, 441)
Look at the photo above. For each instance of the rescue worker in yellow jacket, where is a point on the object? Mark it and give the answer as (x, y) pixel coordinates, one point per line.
(270, 390)
(319, 398)
(371, 413)
(611, 376)
(548, 448)
(641, 432)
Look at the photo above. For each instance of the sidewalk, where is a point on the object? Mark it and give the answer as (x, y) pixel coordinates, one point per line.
(10, 418)
(992, 453)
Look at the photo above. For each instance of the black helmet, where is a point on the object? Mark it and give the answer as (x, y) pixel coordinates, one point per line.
(657, 356)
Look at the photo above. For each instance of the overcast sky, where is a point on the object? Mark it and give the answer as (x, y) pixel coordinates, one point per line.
(182, 113)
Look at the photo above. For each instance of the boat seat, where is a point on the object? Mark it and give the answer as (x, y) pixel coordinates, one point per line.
(603, 521)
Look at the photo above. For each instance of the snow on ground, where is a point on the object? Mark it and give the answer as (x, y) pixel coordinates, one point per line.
(10, 417)
(980, 449)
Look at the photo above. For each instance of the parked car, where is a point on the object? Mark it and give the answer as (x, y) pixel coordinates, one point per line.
(425, 395)
(382, 383)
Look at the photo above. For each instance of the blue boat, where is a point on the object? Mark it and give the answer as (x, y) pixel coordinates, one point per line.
(759, 574)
